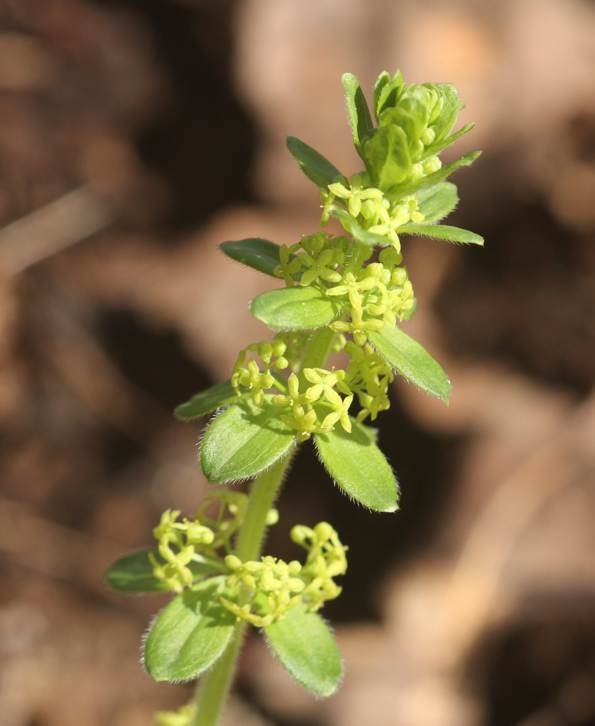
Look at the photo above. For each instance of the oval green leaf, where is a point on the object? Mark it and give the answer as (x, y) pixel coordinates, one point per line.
(359, 467)
(260, 254)
(412, 361)
(437, 202)
(189, 634)
(238, 444)
(443, 231)
(294, 308)
(314, 165)
(307, 649)
(221, 394)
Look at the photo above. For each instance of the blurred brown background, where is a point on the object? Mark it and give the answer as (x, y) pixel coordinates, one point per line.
(138, 134)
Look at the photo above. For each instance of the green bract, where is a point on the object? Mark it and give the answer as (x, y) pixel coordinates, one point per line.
(349, 294)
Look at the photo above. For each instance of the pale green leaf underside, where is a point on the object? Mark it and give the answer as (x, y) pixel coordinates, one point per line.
(313, 164)
(189, 634)
(294, 308)
(359, 467)
(437, 202)
(307, 649)
(134, 573)
(238, 444)
(443, 231)
(207, 401)
(412, 361)
(260, 254)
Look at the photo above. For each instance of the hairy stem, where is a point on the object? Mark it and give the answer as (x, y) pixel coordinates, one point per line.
(213, 690)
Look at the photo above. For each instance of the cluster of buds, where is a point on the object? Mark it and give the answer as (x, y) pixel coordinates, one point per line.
(418, 119)
(256, 375)
(262, 591)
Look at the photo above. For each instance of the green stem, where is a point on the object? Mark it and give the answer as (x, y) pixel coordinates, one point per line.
(213, 690)
(319, 349)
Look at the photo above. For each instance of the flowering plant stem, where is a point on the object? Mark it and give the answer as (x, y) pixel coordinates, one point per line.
(212, 693)
(346, 294)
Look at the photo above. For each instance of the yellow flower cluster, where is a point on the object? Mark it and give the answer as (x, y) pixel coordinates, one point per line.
(176, 545)
(199, 540)
(369, 377)
(262, 591)
(320, 406)
(311, 402)
(373, 295)
(370, 208)
(379, 294)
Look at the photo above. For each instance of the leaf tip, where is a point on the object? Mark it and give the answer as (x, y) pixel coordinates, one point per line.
(348, 78)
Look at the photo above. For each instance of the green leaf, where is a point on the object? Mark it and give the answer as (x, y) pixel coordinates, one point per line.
(356, 230)
(313, 164)
(357, 109)
(134, 573)
(381, 83)
(432, 179)
(359, 467)
(221, 394)
(261, 254)
(412, 361)
(437, 202)
(443, 231)
(239, 443)
(387, 157)
(440, 145)
(294, 308)
(307, 649)
(189, 634)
